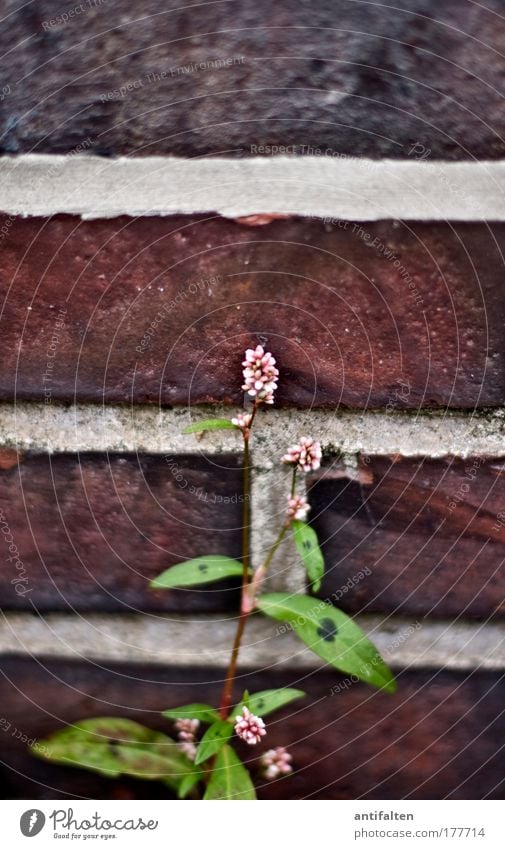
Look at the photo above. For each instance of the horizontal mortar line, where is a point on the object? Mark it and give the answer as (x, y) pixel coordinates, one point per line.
(61, 427)
(341, 187)
(205, 640)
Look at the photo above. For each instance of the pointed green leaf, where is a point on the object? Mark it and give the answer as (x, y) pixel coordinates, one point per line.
(308, 548)
(205, 713)
(267, 701)
(188, 782)
(201, 570)
(114, 747)
(332, 635)
(230, 779)
(210, 424)
(213, 740)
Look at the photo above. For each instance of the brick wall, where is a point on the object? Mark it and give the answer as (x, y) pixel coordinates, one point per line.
(174, 187)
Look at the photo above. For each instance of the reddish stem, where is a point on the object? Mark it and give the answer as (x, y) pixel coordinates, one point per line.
(245, 610)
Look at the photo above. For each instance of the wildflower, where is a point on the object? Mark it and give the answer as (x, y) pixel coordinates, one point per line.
(188, 749)
(306, 455)
(187, 729)
(260, 374)
(298, 507)
(249, 727)
(242, 420)
(276, 762)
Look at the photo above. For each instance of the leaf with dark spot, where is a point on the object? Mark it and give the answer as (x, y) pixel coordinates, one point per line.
(201, 570)
(327, 630)
(333, 636)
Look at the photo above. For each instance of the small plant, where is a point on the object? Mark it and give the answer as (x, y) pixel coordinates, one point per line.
(201, 762)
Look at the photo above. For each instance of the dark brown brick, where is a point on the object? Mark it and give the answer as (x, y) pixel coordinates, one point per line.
(90, 531)
(332, 75)
(420, 536)
(438, 737)
(412, 319)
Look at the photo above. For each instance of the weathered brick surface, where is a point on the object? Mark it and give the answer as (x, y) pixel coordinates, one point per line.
(438, 737)
(160, 310)
(90, 531)
(420, 536)
(333, 75)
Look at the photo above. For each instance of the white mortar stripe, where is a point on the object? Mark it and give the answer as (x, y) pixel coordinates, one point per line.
(344, 187)
(206, 640)
(88, 427)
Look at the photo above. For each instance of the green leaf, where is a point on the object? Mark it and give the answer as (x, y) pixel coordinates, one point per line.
(188, 782)
(201, 570)
(308, 548)
(210, 424)
(205, 713)
(213, 740)
(332, 635)
(230, 779)
(267, 701)
(114, 747)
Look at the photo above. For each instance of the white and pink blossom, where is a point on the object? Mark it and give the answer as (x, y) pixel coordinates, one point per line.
(276, 762)
(188, 749)
(186, 730)
(305, 455)
(242, 420)
(260, 374)
(249, 727)
(298, 507)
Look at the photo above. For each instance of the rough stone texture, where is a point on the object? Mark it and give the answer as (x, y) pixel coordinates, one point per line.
(59, 427)
(424, 537)
(256, 189)
(90, 531)
(356, 79)
(438, 737)
(205, 640)
(412, 319)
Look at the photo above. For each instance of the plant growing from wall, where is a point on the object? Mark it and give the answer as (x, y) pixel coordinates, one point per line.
(202, 762)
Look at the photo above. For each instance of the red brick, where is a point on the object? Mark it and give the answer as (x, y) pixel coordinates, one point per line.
(92, 530)
(422, 537)
(438, 737)
(344, 324)
(333, 76)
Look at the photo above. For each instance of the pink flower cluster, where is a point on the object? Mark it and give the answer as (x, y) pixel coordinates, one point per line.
(298, 507)
(242, 420)
(260, 374)
(187, 729)
(276, 762)
(249, 727)
(305, 455)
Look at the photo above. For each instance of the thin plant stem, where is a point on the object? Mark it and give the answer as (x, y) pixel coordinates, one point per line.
(246, 607)
(274, 547)
(246, 568)
(293, 482)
